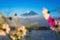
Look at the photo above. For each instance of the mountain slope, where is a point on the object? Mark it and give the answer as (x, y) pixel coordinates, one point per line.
(30, 13)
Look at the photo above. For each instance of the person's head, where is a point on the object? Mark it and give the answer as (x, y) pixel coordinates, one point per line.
(10, 18)
(45, 11)
(15, 14)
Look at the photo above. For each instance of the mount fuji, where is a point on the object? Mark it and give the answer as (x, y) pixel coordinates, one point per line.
(31, 13)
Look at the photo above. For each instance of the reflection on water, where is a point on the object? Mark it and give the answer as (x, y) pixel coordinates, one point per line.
(44, 35)
(39, 35)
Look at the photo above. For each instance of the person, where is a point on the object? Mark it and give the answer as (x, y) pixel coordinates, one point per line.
(4, 28)
(13, 29)
(17, 31)
(55, 25)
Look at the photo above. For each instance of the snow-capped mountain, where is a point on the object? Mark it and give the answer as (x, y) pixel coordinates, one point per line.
(31, 13)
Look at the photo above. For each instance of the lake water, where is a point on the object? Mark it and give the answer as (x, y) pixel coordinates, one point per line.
(44, 35)
(41, 35)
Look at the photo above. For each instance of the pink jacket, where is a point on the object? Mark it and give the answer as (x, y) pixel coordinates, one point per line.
(51, 21)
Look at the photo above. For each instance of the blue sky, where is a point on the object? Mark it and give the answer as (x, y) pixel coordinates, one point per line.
(22, 6)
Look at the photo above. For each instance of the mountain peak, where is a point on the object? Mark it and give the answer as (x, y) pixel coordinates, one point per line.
(30, 13)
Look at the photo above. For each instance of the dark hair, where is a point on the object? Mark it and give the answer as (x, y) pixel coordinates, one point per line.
(15, 14)
(10, 18)
(48, 12)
